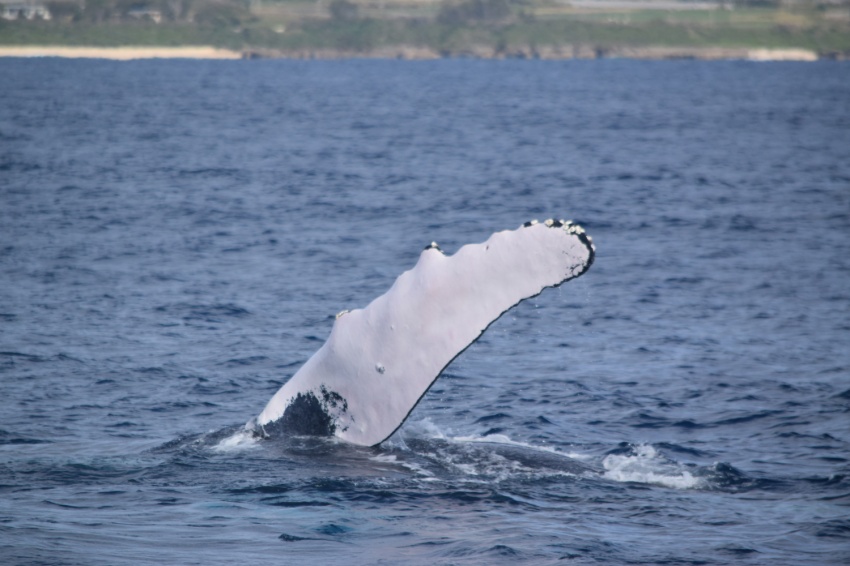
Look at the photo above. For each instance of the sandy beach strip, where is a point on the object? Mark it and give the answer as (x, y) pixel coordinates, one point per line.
(118, 53)
(128, 53)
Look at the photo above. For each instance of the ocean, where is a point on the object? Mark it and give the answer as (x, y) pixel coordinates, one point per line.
(177, 236)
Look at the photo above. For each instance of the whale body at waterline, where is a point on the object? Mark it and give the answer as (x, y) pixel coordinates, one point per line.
(379, 361)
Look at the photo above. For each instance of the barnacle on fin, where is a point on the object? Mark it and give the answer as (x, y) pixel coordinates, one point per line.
(433, 246)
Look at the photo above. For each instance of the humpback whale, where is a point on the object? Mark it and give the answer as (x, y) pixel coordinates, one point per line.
(379, 361)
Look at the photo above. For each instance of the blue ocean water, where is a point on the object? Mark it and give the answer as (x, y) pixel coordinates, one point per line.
(176, 237)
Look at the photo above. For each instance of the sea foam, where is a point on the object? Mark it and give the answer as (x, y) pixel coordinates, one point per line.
(646, 465)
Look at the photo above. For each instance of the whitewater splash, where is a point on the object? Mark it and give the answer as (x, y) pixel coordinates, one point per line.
(644, 464)
(498, 458)
(236, 442)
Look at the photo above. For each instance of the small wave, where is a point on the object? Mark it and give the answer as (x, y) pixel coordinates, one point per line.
(415, 467)
(433, 454)
(240, 440)
(227, 440)
(194, 312)
(644, 464)
(7, 437)
(503, 439)
(727, 477)
(423, 428)
(426, 429)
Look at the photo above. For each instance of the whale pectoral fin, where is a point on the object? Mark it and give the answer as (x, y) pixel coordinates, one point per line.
(379, 361)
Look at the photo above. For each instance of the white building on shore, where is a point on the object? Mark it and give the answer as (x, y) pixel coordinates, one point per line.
(24, 11)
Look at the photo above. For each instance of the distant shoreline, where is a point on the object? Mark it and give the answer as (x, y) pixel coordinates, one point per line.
(563, 52)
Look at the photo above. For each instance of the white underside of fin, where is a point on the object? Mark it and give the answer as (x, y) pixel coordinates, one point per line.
(382, 359)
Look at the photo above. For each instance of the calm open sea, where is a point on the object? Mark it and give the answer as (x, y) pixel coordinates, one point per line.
(176, 237)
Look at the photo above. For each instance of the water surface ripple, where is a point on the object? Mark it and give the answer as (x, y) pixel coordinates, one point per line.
(175, 238)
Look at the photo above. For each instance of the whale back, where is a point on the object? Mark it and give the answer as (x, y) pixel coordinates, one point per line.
(379, 361)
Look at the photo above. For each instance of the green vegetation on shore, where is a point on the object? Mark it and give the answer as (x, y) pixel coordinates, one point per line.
(450, 27)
